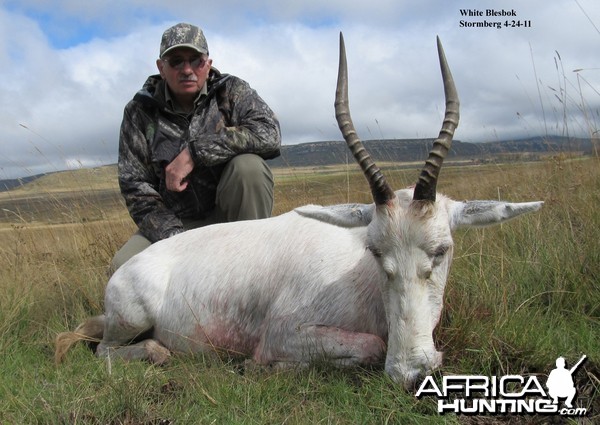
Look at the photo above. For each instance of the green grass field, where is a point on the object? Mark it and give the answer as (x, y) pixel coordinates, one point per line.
(518, 296)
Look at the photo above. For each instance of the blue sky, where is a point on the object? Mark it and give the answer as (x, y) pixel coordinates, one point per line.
(70, 66)
(66, 27)
(63, 32)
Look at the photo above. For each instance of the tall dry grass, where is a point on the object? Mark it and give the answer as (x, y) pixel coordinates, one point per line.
(518, 296)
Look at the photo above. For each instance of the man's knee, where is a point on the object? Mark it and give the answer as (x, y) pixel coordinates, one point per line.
(245, 191)
(136, 244)
(248, 169)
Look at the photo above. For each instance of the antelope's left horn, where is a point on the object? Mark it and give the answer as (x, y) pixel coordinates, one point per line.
(426, 185)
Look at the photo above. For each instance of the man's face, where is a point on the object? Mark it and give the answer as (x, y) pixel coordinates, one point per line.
(185, 72)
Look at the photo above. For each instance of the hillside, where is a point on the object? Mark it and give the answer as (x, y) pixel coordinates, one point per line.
(407, 150)
(335, 152)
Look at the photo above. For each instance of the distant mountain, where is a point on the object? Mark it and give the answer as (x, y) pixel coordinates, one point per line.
(401, 150)
(408, 150)
(9, 184)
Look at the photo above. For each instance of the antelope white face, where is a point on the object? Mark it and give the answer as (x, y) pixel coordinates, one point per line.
(413, 243)
(412, 240)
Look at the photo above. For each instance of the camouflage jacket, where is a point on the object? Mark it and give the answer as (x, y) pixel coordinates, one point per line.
(229, 120)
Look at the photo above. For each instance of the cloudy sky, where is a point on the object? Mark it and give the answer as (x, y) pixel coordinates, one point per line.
(70, 66)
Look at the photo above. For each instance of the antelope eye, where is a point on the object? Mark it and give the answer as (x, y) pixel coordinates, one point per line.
(440, 251)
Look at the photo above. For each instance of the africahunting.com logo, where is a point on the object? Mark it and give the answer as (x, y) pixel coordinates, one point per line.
(508, 394)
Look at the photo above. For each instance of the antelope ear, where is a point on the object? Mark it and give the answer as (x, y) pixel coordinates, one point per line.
(486, 213)
(343, 215)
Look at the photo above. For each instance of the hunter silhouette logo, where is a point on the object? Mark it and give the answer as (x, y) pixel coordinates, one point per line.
(509, 394)
(560, 381)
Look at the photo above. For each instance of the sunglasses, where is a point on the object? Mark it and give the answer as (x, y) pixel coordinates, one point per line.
(178, 62)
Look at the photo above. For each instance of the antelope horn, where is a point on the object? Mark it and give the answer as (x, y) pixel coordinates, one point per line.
(381, 190)
(425, 189)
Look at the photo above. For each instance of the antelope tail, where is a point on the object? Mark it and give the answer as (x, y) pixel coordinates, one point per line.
(91, 330)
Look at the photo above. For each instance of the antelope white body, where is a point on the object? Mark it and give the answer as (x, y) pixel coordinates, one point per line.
(311, 284)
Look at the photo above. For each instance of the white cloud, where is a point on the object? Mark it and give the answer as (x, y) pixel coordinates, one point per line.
(71, 100)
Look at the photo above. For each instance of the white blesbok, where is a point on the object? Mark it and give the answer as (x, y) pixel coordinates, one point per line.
(349, 284)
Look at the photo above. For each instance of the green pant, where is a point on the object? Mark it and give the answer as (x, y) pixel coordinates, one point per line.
(245, 192)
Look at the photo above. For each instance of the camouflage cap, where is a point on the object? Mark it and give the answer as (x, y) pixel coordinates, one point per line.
(183, 35)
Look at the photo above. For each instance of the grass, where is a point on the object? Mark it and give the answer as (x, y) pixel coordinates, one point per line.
(518, 296)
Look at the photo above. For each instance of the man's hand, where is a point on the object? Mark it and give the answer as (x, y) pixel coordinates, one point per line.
(177, 171)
